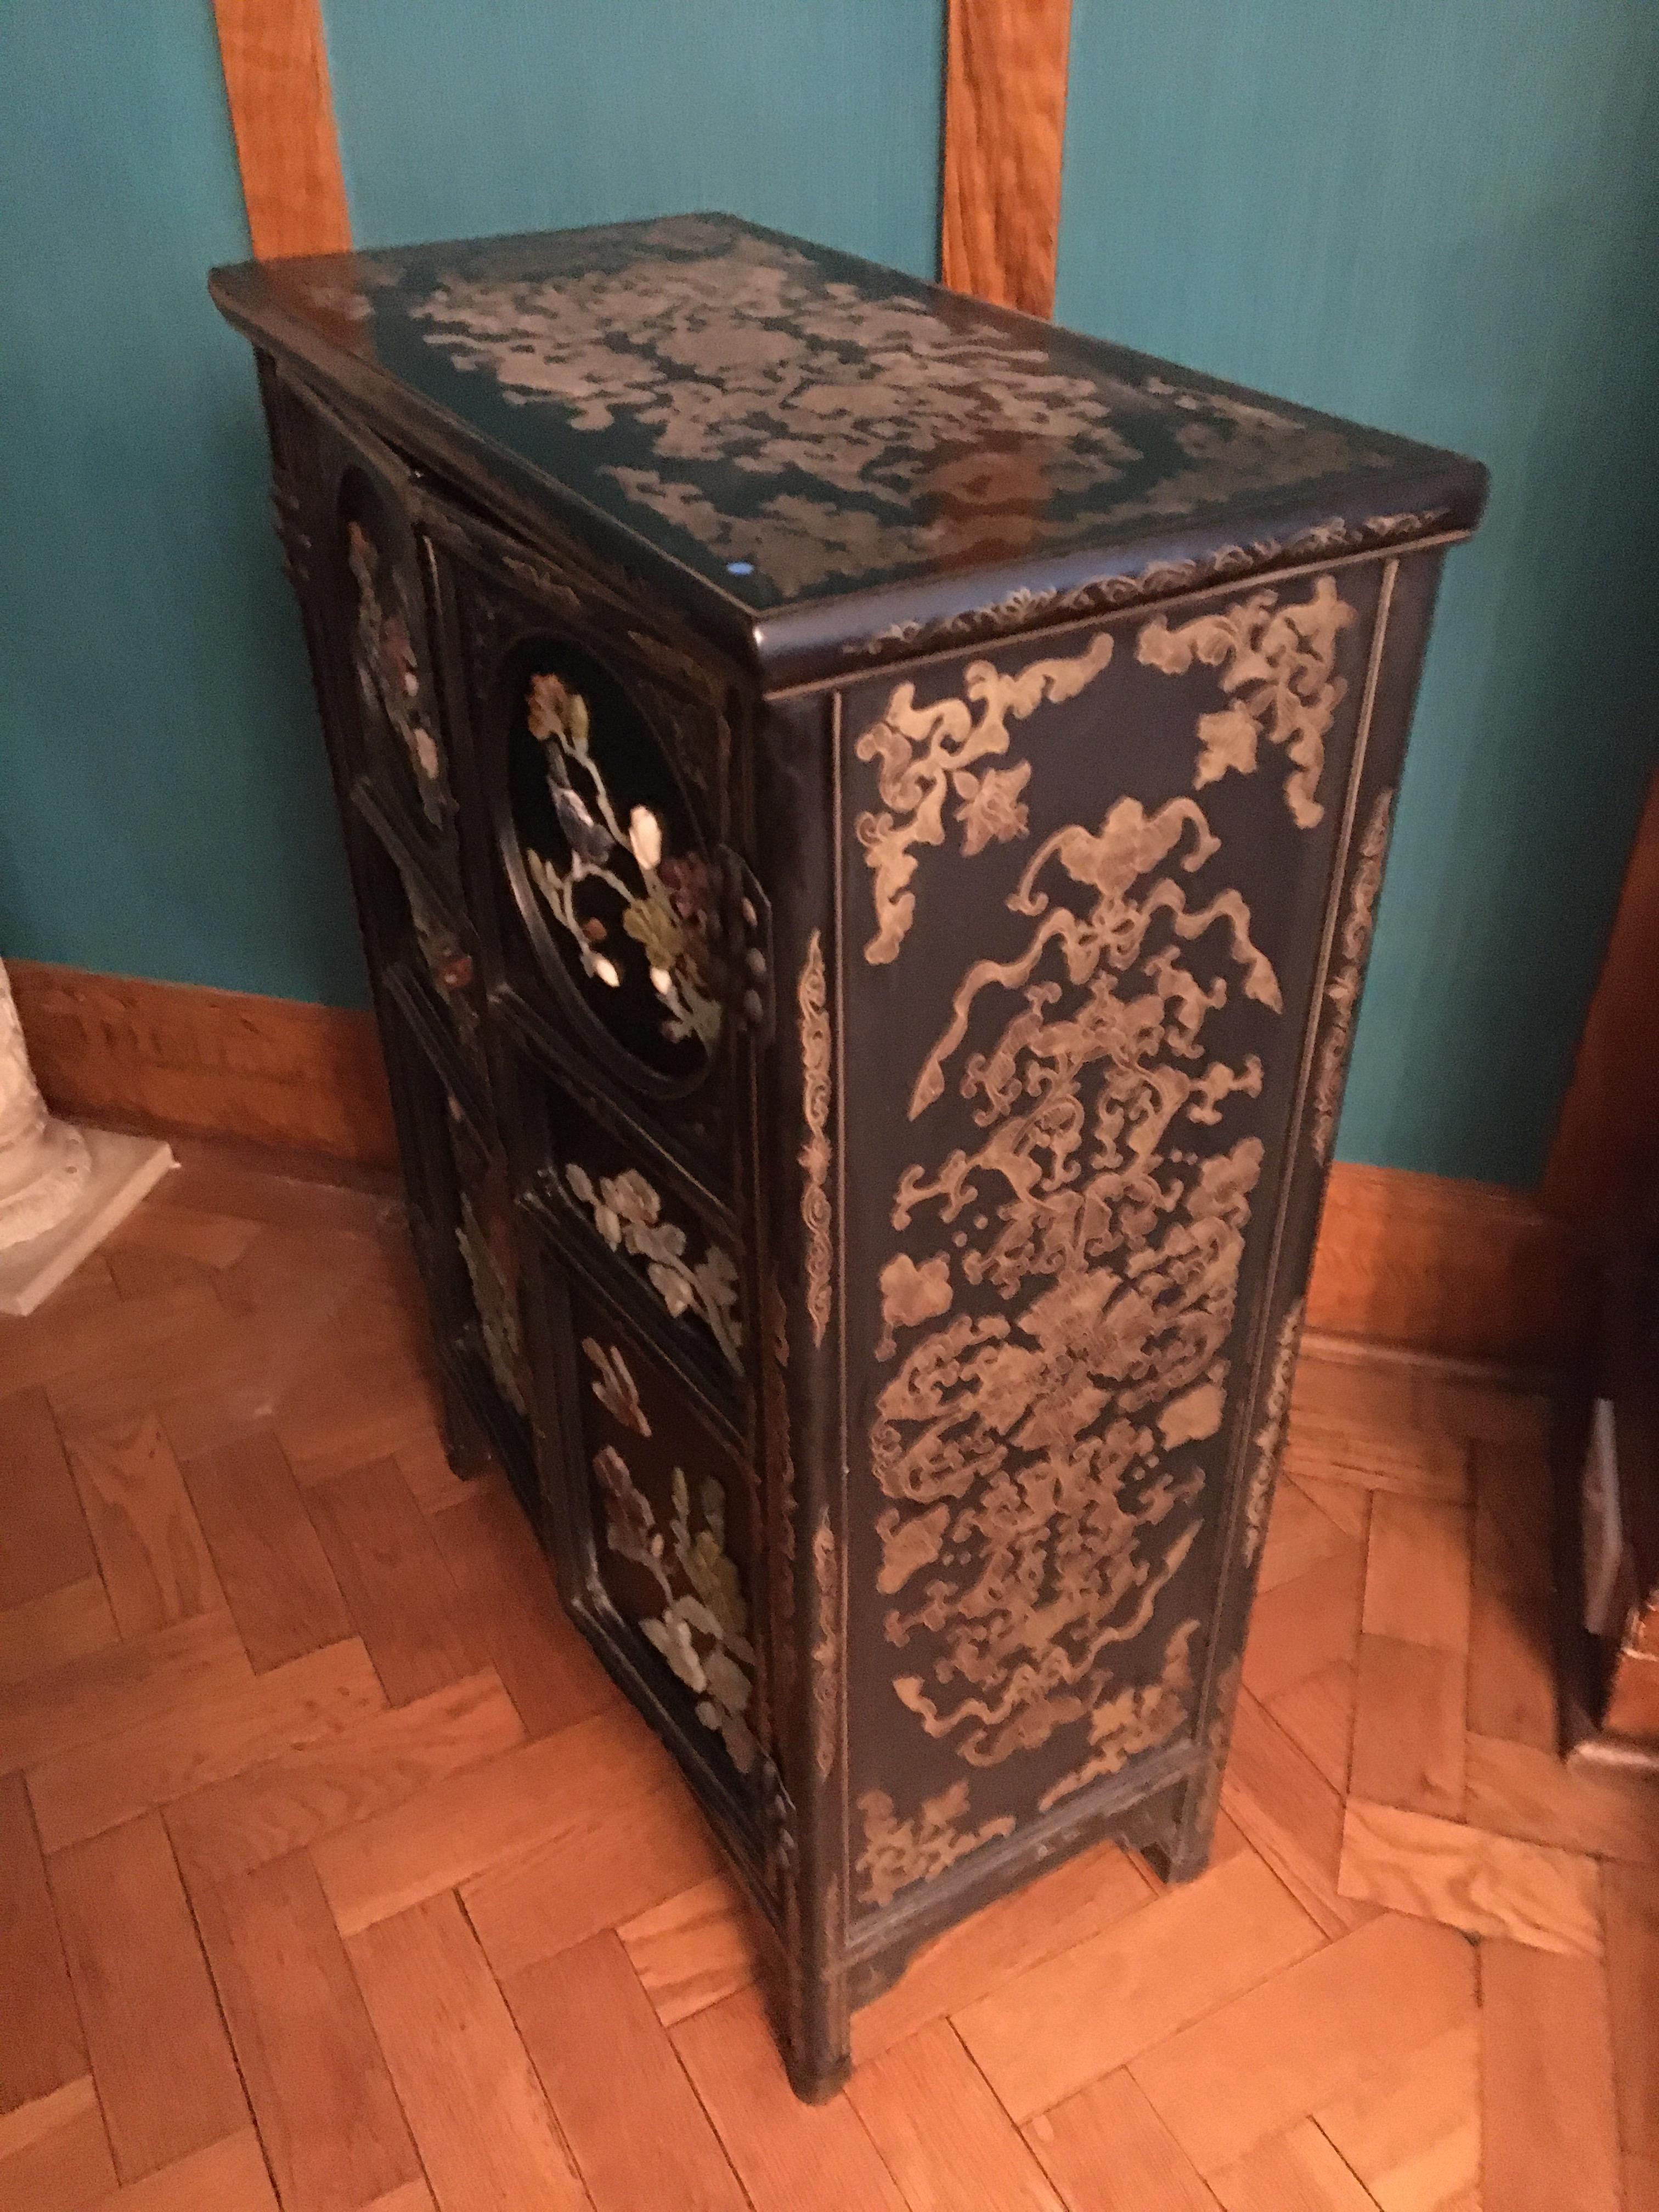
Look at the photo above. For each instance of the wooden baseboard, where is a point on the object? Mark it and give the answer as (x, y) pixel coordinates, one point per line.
(1469, 1270)
(174, 1056)
(1463, 1269)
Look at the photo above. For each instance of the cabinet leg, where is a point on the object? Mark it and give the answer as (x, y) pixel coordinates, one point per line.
(818, 2044)
(466, 1447)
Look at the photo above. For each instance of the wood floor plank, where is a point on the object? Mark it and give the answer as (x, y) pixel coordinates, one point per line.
(1074, 1902)
(1317, 1716)
(480, 2120)
(1550, 2131)
(1411, 2132)
(54, 2153)
(166, 2078)
(605, 2062)
(1306, 1625)
(217, 1735)
(1095, 2007)
(210, 1240)
(1418, 1571)
(1464, 1878)
(1296, 2171)
(457, 1828)
(47, 1542)
(1306, 2035)
(41, 2046)
(98, 1354)
(228, 2176)
(1516, 1789)
(322, 2098)
(271, 1564)
(1416, 1462)
(590, 1873)
(1300, 1534)
(1408, 1725)
(396, 1585)
(947, 2141)
(1346, 1506)
(49, 1631)
(695, 1949)
(360, 1400)
(790, 2157)
(1106, 2150)
(304, 1794)
(507, 1592)
(1511, 1691)
(155, 1559)
(121, 1686)
(1290, 1815)
(1630, 1899)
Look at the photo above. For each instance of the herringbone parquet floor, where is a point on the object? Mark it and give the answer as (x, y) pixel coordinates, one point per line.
(333, 1874)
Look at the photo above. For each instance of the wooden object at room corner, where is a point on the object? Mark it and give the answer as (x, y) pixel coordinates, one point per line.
(181, 1057)
(1608, 1126)
(1602, 1183)
(1004, 128)
(282, 109)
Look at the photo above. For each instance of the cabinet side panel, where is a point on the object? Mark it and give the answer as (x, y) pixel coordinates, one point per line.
(803, 1171)
(1088, 888)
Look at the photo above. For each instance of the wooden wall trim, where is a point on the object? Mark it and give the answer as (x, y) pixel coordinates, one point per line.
(1468, 1270)
(174, 1056)
(1461, 1269)
(1608, 1129)
(281, 110)
(1004, 128)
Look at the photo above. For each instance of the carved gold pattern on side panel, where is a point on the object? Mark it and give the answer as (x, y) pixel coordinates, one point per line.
(781, 1461)
(898, 1852)
(1028, 1453)
(1216, 1740)
(1342, 993)
(1136, 1718)
(1277, 664)
(826, 1647)
(928, 755)
(1275, 1405)
(815, 1155)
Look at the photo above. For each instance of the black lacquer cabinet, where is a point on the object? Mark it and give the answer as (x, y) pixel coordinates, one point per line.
(866, 813)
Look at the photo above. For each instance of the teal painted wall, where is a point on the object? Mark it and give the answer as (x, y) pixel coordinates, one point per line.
(164, 806)
(468, 116)
(1440, 216)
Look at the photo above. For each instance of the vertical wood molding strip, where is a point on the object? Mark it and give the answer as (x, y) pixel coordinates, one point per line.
(281, 110)
(1004, 128)
(1608, 1128)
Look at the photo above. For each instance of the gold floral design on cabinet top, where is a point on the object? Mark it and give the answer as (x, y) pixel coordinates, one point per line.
(627, 1212)
(1342, 993)
(808, 420)
(703, 1631)
(1032, 1444)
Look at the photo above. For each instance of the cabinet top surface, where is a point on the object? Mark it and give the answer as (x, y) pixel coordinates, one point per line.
(792, 427)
